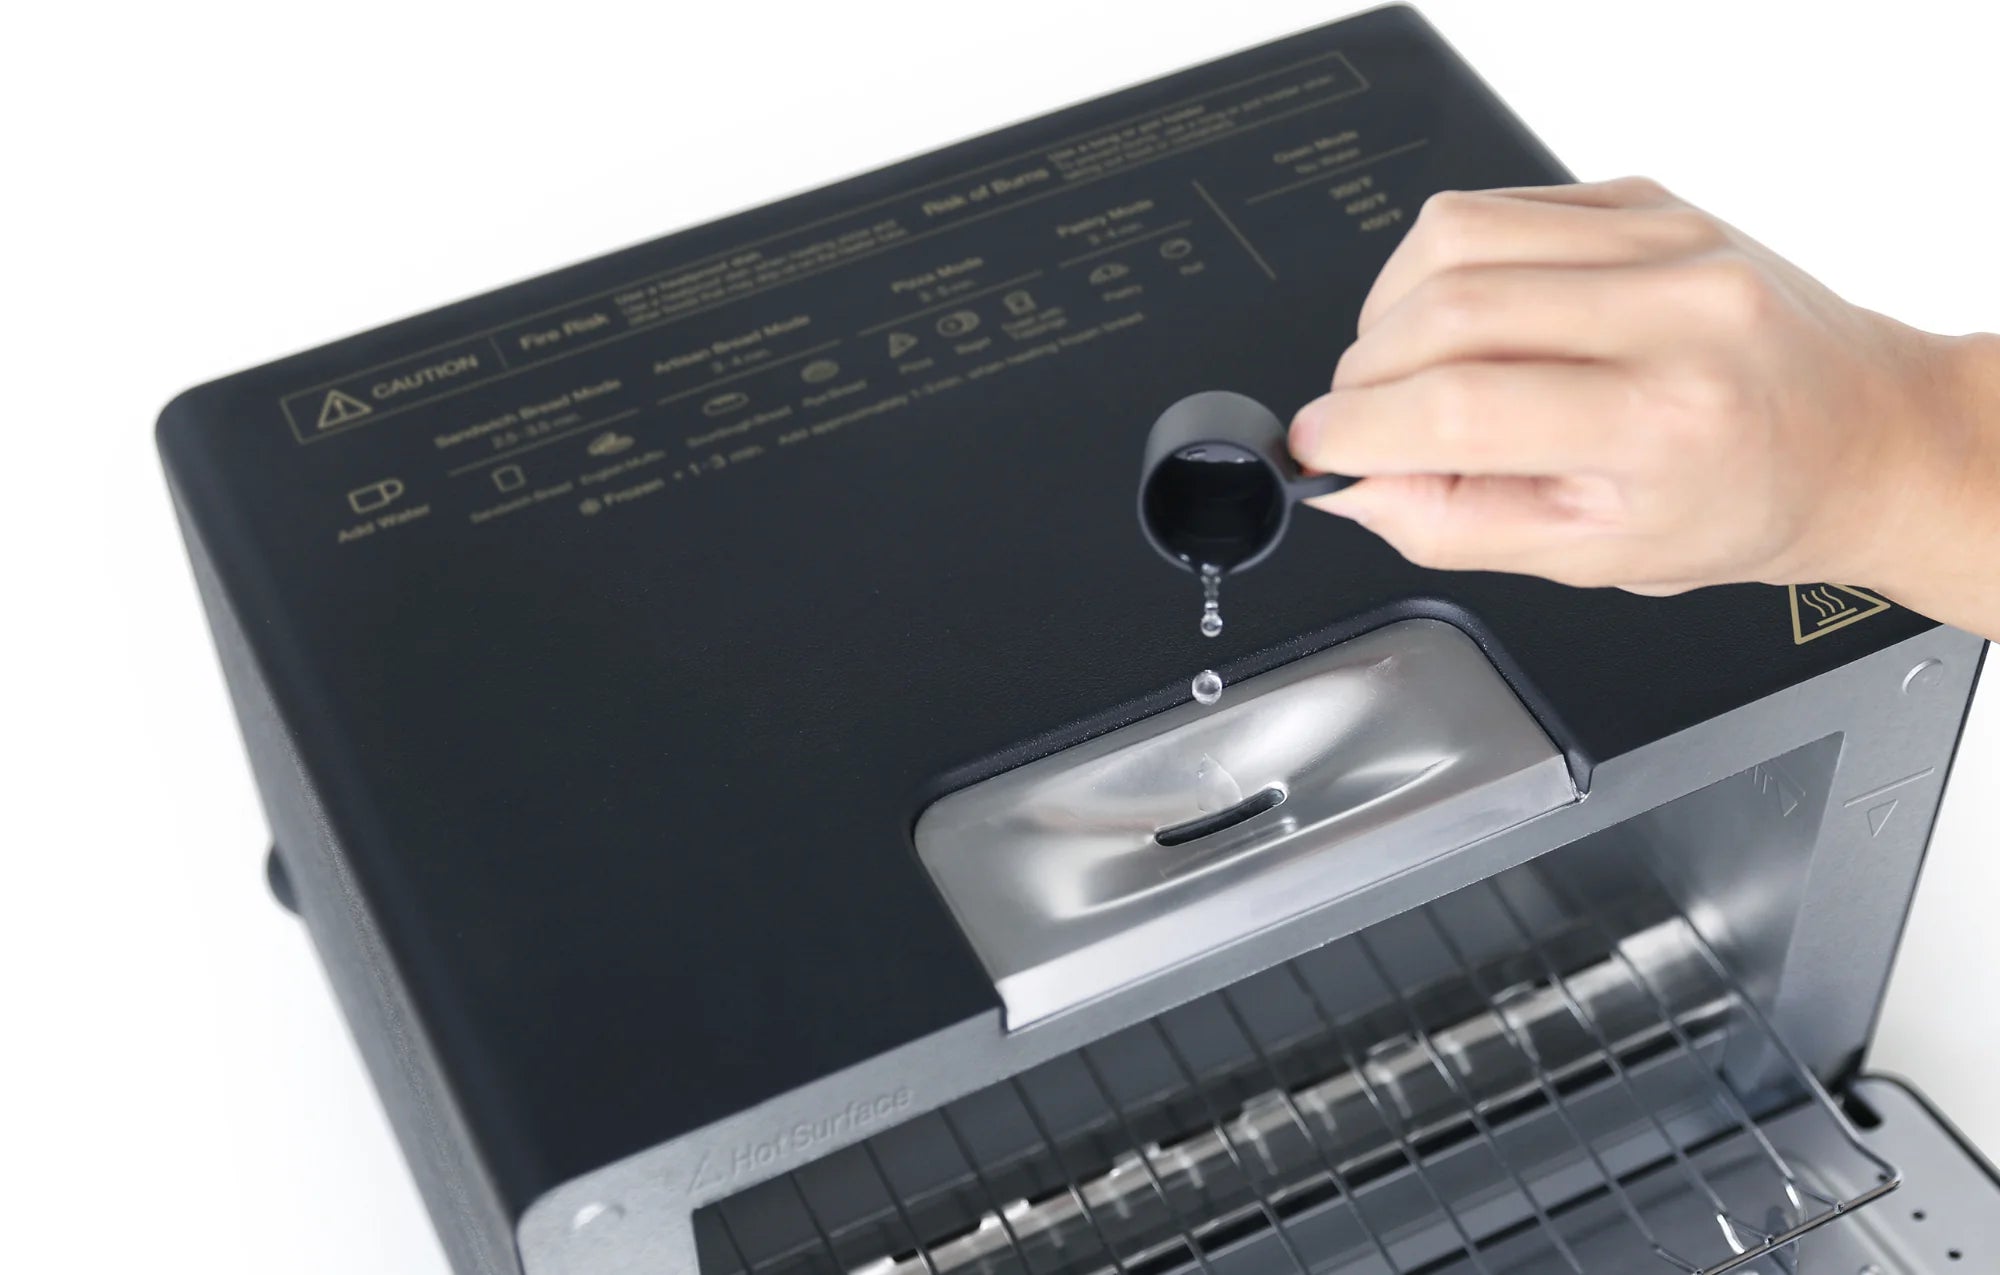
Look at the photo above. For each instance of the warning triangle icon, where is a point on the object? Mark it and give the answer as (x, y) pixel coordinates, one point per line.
(340, 408)
(1819, 609)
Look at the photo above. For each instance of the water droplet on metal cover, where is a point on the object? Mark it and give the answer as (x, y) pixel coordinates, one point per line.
(1207, 686)
(1214, 787)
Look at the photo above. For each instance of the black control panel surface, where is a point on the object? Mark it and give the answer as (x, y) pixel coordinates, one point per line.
(626, 618)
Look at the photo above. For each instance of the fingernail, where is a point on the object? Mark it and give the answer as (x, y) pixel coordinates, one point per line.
(1342, 504)
(1305, 431)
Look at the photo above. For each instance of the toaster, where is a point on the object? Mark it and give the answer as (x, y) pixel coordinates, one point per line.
(732, 749)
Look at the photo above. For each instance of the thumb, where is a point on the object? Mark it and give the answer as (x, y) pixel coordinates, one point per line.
(1452, 522)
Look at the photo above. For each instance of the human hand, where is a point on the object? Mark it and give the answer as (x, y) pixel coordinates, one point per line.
(1603, 385)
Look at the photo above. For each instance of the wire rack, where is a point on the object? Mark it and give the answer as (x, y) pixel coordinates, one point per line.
(1503, 1083)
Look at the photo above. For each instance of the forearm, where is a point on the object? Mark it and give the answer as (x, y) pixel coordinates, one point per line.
(1938, 551)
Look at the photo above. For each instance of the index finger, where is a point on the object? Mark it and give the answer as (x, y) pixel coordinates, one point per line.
(1614, 223)
(1515, 418)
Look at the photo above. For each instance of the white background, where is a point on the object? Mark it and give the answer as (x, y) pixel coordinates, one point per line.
(195, 187)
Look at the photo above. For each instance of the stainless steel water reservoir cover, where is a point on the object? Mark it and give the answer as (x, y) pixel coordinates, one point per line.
(1148, 846)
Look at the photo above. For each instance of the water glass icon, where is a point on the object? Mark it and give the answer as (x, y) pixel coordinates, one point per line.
(366, 500)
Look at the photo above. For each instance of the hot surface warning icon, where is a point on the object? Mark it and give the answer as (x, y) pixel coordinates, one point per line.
(339, 409)
(1819, 609)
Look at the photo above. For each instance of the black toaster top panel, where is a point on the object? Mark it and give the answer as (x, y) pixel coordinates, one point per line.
(627, 617)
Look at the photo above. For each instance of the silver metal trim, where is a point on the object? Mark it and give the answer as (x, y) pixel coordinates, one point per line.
(1392, 749)
(1828, 980)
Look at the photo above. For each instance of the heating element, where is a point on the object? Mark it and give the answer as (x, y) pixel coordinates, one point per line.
(1584, 1084)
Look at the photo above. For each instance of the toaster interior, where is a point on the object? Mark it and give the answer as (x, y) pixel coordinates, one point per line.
(1569, 1067)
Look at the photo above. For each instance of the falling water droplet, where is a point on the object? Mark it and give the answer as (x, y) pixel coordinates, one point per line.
(1211, 600)
(1214, 787)
(1207, 686)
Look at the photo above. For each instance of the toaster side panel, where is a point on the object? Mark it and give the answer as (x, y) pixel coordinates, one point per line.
(465, 1207)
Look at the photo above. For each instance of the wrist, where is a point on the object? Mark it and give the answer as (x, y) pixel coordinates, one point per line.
(1935, 536)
